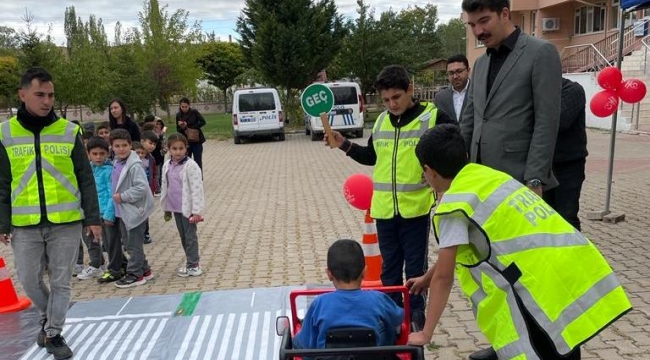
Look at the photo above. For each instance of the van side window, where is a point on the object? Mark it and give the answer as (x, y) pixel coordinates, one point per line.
(345, 95)
(256, 102)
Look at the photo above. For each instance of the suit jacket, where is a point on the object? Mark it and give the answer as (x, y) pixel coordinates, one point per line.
(445, 101)
(516, 124)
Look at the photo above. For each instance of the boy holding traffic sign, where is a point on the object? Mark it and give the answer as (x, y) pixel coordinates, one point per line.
(401, 201)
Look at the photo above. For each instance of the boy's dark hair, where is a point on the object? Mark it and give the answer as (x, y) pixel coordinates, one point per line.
(185, 101)
(442, 148)
(345, 260)
(104, 125)
(176, 137)
(458, 58)
(149, 135)
(148, 126)
(137, 145)
(392, 77)
(159, 121)
(149, 118)
(34, 73)
(96, 142)
(496, 6)
(120, 134)
(86, 135)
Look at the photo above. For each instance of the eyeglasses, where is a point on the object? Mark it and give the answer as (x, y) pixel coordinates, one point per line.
(456, 73)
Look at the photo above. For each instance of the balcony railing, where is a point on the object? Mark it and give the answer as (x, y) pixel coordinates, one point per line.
(589, 57)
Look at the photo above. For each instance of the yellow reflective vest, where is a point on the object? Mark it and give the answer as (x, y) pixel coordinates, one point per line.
(522, 252)
(50, 154)
(399, 185)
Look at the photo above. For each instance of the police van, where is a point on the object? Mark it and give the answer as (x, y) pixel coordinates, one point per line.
(346, 115)
(257, 111)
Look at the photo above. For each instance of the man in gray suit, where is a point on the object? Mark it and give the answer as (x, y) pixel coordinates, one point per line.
(512, 115)
(452, 99)
(511, 119)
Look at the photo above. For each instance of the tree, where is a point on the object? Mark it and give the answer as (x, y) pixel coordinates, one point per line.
(362, 55)
(82, 73)
(290, 41)
(222, 63)
(9, 79)
(9, 41)
(452, 37)
(413, 25)
(165, 46)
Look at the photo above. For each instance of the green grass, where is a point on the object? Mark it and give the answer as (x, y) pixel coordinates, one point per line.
(217, 126)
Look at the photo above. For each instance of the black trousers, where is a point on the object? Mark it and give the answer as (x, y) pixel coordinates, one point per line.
(195, 151)
(565, 198)
(404, 245)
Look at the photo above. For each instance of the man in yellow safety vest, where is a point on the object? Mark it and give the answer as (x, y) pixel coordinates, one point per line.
(493, 231)
(47, 192)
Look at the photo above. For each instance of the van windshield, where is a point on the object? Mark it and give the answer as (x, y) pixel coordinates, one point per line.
(256, 102)
(345, 95)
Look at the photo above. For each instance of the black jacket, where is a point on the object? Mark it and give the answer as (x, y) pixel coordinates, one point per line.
(129, 125)
(194, 120)
(571, 142)
(366, 155)
(82, 170)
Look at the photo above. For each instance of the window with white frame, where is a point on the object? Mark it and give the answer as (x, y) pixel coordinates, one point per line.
(589, 19)
(533, 22)
(479, 43)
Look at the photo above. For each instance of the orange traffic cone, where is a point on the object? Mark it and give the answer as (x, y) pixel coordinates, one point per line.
(371, 253)
(9, 300)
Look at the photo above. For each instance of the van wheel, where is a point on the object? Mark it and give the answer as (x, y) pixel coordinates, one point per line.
(315, 136)
(237, 140)
(359, 133)
(281, 136)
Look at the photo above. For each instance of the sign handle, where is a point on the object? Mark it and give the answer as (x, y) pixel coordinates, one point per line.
(328, 130)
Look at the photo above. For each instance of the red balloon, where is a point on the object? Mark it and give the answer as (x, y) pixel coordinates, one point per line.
(604, 103)
(632, 91)
(610, 78)
(358, 191)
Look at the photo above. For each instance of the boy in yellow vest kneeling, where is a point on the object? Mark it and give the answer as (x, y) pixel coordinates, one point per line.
(538, 287)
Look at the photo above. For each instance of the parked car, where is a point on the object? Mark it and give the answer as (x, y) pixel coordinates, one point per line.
(257, 112)
(346, 115)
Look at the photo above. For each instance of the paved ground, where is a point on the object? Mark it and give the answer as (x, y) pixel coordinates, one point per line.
(273, 208)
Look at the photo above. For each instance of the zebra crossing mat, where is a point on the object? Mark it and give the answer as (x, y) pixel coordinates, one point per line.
(229, 324)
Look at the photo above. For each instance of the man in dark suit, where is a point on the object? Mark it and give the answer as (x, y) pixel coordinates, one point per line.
(570, 154)
(511, 119)
(452, 99)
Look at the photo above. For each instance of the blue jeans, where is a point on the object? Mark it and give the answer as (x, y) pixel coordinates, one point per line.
(404, 244)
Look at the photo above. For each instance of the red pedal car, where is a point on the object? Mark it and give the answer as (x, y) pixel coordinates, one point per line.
(348, 343)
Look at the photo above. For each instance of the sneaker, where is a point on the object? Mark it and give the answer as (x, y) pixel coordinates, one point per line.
(77, 269)
(148, 275)
(40, 339)
(147, 239)
(130, 280)
(89, 273)
(56, 346)
(185, 271)
(108, 277)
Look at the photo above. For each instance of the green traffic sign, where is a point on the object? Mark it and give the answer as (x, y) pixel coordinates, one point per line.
(317, 99)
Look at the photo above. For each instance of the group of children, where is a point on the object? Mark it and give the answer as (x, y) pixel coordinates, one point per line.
(128, 174)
